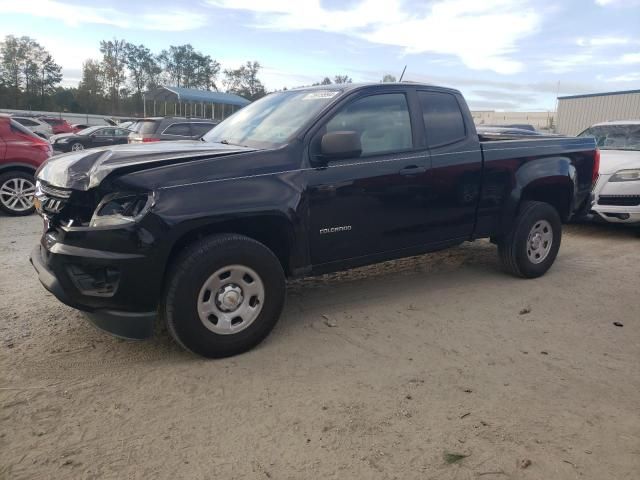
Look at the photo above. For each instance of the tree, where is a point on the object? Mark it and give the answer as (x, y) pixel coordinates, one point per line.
(342, 79)
(388, 78)
(325, 81)
(143, 68)
(113, 68)
(27, 69)
(244, 81)
(91, 87)
(50, 75)
(186, 67)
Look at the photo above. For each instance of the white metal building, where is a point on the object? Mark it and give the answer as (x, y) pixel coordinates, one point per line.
(540, 120)
(578, 112)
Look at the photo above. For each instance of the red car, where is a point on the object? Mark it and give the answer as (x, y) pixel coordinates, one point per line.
(21, 153)
(58, 125)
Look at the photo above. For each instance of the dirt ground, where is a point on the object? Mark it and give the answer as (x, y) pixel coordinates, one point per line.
(379, 373)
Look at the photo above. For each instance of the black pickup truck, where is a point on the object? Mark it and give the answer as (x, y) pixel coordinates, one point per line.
(302, 182)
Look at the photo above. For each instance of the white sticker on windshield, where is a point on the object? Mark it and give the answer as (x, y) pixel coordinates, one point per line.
(320, 95)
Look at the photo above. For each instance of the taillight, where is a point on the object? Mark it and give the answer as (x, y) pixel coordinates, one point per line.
(150, 139)
(596, 166)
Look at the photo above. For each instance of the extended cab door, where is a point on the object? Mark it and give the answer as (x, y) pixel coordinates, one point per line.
(374, 202)
(456, 165)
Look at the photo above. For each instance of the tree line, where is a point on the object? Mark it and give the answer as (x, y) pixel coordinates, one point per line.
(114, 83)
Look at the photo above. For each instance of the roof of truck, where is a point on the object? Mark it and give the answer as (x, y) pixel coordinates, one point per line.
(354, 86)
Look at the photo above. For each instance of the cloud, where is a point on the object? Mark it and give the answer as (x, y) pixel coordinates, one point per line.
(627, 77)
(74, 15)
(571, 62)
(482, 35)
(568, 63)
(629, 58)
(618, 3)
(602, 41)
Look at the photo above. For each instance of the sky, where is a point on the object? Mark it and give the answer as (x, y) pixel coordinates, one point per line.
(513, 55)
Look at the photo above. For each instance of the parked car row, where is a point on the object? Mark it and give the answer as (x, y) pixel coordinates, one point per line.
(616, 196)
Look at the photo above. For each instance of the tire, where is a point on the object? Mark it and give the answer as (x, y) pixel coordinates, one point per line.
(198, 283)
(77, 147)
(523, 250)
(16, 193)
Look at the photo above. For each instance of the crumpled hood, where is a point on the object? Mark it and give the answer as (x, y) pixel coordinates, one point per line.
(87, 168)
(613, 160)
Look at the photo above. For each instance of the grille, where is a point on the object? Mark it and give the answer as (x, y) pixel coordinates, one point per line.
(619, 200)
(54, 192)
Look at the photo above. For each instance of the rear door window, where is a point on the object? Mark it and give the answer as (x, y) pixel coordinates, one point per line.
(442, 117)
(201, 128)
(178, 130)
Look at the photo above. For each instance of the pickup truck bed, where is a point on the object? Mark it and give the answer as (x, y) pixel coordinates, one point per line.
(298, 183)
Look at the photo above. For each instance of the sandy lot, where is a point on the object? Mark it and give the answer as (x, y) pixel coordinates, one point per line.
(377, 373)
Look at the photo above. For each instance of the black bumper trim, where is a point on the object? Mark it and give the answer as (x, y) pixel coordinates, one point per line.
(130, 325)
(47, 278)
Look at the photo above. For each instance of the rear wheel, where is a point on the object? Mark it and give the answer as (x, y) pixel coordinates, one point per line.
(224, 295)
(531, 247)
(16, 193)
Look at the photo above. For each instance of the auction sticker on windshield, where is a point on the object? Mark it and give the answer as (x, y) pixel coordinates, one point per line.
(323, 94)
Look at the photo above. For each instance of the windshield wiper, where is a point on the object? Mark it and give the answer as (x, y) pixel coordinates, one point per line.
(227, 142)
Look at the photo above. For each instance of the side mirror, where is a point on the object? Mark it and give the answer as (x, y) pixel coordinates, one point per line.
(342, 144)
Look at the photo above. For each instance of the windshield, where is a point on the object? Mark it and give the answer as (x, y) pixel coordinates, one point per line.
(273, 120)
(615, 137)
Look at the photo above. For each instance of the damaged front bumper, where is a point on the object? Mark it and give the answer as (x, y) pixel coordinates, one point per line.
(118, 290)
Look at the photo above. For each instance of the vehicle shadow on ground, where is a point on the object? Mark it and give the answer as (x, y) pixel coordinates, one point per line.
(80, 347)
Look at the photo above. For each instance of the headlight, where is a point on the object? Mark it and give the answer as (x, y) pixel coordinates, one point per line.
(121, 209)
(62, 140)
(626, 175)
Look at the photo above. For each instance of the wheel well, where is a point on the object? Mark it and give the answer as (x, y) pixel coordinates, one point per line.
(272, 231)
(16, 168)
(557, 195)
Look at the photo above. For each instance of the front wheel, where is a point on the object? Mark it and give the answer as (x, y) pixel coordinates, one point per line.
(16, 193)
(224, 295)
(76, 147)
(531, 246)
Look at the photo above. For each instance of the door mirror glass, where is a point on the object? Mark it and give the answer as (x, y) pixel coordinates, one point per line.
(340, 144)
